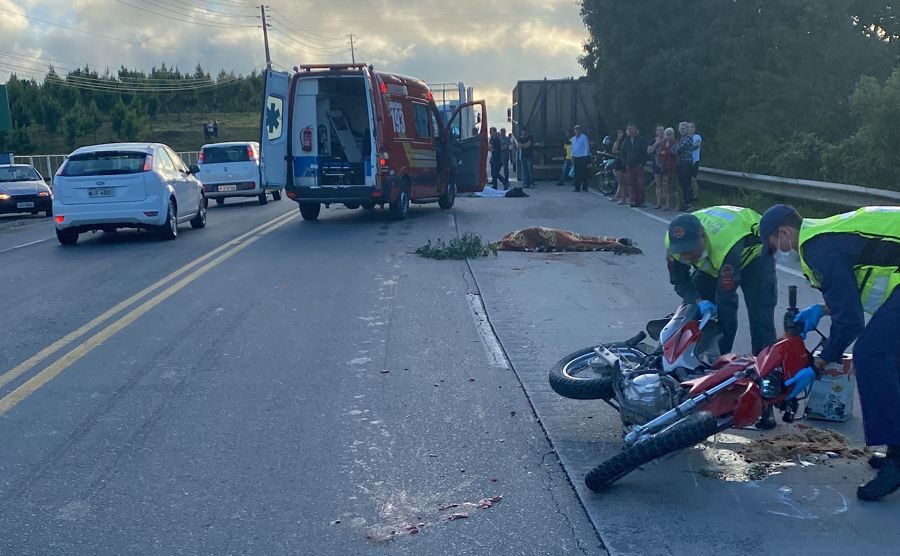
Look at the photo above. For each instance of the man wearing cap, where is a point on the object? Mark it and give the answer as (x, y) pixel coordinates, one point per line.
(722, 244)
(854, 259)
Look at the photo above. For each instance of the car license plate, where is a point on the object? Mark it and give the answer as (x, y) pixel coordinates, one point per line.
(25, 205)
(227, 188)
(101, 192)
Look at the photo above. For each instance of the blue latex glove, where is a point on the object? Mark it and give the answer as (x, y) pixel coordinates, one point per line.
(707, 307)
(810, 318)
(801, 381)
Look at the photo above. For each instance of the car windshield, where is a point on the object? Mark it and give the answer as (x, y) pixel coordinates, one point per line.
(19, 173)
(104, 163)
(218, 155)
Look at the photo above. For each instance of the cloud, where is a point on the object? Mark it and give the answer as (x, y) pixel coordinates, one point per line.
(488, 44)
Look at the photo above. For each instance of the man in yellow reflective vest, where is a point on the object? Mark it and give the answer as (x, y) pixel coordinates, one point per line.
(854, 259)
(722, 245)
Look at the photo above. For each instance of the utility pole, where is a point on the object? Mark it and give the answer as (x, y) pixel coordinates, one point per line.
(352, 50)
(265, 26)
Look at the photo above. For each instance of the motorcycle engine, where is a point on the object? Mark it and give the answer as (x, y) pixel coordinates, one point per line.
(646, 396)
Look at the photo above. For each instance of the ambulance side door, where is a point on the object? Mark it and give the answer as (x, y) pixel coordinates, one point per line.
(468, 149)
(273, 158)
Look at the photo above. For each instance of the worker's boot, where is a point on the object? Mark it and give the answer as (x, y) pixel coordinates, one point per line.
(886, 481)
(767, 419)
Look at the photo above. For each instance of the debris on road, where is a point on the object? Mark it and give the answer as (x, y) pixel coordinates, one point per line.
(468, 246)
(807, 444)
(442, 514)
(541, 240)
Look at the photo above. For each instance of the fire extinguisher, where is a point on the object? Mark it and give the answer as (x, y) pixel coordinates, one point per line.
(306, 139)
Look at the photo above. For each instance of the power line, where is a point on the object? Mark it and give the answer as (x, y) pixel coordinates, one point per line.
(205, 23)
(308, 46)
(203, 10)
(117, 39)
(68, 66)
(304, 30)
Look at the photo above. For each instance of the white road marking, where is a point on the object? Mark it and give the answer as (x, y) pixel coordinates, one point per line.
(492, 349)
(7, 250)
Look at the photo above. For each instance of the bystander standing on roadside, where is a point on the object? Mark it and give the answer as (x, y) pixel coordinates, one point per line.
(634, 154)
(581, 158)
(505, 146)
(671, 193)
(526, 148)
(496, 158)
(653, 149)
(567, 161)
(685, 166)
(622, 191)
(697, 143)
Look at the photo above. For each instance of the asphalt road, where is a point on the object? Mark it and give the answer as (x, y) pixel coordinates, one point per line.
(253, 388)
(241, 405)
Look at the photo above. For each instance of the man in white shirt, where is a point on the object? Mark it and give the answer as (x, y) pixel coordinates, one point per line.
(581, 157)
(695, 156)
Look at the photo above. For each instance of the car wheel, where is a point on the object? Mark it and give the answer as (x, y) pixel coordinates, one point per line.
(400, 207)
(67, 236)
(199, 221)
(310, 211)
(220, 201)
(169, 230)
(48, 213)
(276, 195)
(447, 199)
(263, 198)
(368, 205)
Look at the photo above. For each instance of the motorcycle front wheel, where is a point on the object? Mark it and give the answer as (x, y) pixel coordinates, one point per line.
(582, 376)
(691, 430)
(608, 184)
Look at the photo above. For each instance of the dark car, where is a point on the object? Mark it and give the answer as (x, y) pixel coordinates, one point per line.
(22, 189)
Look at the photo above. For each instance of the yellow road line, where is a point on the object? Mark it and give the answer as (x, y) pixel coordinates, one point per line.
(64, 362)
(35, 359)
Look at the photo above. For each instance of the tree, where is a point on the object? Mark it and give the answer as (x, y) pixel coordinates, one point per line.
(752, 73)
(51, 113)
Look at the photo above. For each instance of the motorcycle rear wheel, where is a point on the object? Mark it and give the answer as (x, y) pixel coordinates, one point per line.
(575, 378)
(692, 430)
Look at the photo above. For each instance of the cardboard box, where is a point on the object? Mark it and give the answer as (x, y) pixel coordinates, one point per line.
(832, 394)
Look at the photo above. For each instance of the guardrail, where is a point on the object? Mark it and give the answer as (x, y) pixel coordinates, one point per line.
(841, 194)
(48, 164)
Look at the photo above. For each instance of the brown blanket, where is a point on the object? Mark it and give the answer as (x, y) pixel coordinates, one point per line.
(551, 239)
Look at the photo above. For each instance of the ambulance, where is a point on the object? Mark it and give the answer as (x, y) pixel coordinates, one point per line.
(347, 134)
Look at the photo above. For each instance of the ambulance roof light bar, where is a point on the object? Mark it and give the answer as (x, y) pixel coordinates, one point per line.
(308, 67)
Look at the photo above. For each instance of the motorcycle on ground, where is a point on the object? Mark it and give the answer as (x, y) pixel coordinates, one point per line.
(637, 379)
(735, 392)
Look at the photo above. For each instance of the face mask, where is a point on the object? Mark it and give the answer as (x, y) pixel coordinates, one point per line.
(783, 256)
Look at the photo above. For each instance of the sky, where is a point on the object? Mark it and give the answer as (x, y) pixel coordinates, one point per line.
(487, 44)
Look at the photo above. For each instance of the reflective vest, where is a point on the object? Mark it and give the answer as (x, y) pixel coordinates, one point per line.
(878, 268)
(725, 226)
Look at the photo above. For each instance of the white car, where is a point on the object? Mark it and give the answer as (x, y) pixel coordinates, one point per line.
(126, 185)
(232, 170)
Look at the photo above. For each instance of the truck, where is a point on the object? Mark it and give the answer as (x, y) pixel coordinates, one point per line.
(549, 108)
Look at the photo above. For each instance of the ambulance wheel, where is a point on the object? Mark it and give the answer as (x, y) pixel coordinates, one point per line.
(400, 207)
(276, 195)
(310, 211)
(263, 198)
(446, 200)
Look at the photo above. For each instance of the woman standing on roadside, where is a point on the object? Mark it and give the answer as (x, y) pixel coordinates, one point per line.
(670, 195)
(622, 191)
(683, 151)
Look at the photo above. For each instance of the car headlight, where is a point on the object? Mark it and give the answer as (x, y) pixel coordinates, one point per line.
(4, 196)
(43, 194)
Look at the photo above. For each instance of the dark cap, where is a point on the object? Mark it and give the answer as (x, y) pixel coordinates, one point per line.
(771, 220)
(684, 234)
